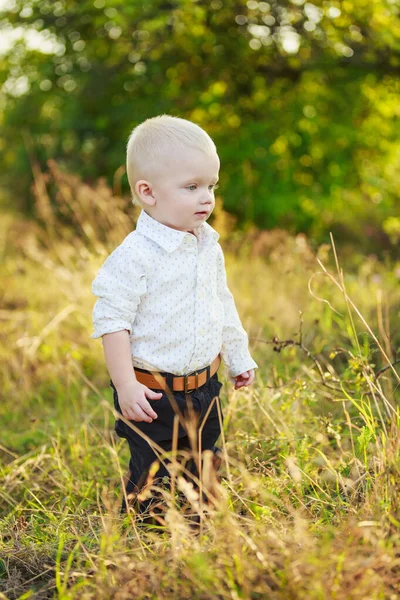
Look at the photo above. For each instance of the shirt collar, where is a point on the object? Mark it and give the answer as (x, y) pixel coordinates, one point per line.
(167, 237)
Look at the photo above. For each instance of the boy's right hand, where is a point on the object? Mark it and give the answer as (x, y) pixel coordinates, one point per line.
(132, 398)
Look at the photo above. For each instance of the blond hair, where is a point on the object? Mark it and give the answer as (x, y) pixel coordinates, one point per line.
(151, 142)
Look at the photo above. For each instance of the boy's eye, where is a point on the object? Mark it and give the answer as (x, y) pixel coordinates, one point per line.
(193, 186)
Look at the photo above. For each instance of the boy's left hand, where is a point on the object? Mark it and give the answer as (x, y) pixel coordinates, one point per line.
(245, 378)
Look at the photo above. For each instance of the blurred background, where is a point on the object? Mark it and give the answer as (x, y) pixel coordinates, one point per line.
(302, 101)
(301, 98)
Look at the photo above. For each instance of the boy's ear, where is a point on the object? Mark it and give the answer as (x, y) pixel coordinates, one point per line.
(144, 190)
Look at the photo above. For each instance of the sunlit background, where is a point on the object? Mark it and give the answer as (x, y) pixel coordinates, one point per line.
(302, 101)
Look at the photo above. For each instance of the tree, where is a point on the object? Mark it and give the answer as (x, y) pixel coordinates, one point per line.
(300, 98)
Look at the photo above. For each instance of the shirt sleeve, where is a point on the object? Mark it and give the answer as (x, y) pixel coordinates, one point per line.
(119, 285)
(235, 350)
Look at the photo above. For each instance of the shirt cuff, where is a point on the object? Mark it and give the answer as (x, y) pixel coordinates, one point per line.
(110, 327)
(239, 365)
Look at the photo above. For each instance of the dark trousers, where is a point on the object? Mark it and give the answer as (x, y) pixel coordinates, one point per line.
(192, 408)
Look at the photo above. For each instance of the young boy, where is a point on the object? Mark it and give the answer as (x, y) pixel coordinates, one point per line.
(164, 311)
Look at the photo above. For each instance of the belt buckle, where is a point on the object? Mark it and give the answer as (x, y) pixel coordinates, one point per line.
(185, 382)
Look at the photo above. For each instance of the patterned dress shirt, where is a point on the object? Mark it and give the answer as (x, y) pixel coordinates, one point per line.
(168, 288)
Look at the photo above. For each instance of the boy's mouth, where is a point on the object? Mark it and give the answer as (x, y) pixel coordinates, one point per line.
(203, 213)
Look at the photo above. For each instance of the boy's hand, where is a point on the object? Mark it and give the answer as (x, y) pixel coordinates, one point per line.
(245, 378)
(132, 398)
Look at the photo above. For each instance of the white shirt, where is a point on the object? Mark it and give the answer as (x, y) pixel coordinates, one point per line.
(168, 288)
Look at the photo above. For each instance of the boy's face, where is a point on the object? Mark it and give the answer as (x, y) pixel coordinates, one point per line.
(182, 189)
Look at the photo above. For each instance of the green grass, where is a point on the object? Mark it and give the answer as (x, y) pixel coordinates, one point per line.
(307, 506)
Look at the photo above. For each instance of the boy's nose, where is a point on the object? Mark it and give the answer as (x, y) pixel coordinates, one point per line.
(206, 205)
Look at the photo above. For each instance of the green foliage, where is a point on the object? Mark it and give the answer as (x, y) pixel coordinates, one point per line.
(301, 99)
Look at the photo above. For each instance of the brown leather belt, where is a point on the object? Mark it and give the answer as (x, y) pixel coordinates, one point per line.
(181, 383)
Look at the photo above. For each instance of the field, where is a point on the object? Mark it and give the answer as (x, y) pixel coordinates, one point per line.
(307, 504)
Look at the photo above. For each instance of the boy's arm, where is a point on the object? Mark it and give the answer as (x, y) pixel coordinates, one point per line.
(132, 395)
(119, 285)
(117, 354)
(234, 351)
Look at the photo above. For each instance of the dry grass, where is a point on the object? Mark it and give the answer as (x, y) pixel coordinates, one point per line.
(307, 505)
